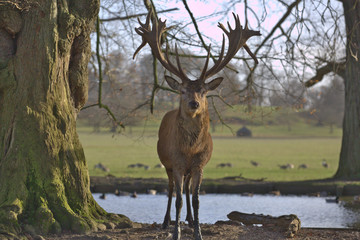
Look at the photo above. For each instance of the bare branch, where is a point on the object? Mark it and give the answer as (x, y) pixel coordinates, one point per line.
(220, 117)
(335, 67)
(135, 15)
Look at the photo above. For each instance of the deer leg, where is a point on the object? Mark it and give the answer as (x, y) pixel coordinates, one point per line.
(196, 182)
(189, 217)
(167, 217)
(179, 179)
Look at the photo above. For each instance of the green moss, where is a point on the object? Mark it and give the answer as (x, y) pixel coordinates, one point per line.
(9, 222)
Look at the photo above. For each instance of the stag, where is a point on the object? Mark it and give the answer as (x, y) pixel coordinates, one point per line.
(185, 145)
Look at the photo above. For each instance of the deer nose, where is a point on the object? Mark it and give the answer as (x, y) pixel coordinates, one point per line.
(193, 104)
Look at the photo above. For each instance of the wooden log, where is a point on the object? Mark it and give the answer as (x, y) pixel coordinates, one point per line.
(290, 224)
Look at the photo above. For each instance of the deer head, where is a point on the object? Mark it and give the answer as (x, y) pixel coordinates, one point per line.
(193, 93)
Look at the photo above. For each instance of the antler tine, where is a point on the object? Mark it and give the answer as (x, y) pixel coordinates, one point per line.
(202, 76)
(152, 36)
(184, 78)
(147, 22)
(177, 71)
(246, 47)
(140, 31)
(222, 49)
(237, 38)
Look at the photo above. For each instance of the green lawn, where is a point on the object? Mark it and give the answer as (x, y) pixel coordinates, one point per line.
(270, 146)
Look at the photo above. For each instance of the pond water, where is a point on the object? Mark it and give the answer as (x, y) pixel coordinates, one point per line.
(312, 211)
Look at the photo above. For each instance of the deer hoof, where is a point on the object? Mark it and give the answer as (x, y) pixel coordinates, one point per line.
(177, 233)
(190, 221)
(165, 225)
(197, 235)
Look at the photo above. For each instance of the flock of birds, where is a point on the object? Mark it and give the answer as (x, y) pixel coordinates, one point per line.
(134, 194)
(137, 165)
(284, 166)
(303, 166)
(146, 167)
(220, 165)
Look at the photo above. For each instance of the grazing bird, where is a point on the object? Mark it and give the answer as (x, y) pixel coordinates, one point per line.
(103, 196)
(304, 166)
(222, 165)
(254, 163)
(283, 166)
(325, 164)
(102, 167)
(287, 166)
(185, 145)
(159, 166)
(139, 165)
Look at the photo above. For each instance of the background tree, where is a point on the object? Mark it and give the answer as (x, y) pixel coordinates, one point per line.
(349, 165)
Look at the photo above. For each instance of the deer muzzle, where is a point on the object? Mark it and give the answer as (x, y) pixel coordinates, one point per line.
(194, 104)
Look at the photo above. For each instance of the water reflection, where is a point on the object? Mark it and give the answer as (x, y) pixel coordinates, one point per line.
(312, 211)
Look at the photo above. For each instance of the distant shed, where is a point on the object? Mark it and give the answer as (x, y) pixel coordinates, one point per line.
(244, 132)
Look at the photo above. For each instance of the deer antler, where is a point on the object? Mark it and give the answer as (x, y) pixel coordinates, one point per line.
(237, 38)
(152, 36)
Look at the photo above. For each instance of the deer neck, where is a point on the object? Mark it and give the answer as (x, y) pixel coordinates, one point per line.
(193, 129)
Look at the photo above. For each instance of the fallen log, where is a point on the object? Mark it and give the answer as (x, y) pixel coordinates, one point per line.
(290, 224)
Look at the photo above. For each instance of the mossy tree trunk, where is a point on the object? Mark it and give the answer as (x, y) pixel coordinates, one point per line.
(349, 165)
(44, 182)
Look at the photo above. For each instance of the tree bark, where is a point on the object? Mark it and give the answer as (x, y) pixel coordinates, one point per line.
(44, 181)
(349, 165)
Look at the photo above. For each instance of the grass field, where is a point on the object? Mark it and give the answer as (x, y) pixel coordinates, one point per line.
(271, 146)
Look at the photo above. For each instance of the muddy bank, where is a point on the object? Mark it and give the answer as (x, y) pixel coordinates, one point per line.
(233, 185)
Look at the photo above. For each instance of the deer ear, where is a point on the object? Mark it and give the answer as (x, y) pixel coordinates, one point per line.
(173, 83)
(213, 84)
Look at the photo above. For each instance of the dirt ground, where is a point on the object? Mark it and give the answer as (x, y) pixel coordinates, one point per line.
(222, 231)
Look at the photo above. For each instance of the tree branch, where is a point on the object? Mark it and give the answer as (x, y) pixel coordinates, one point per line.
(336, 67)
(220, 117)
(135, 15)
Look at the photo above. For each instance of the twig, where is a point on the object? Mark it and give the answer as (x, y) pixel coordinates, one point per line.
(220, 118)
(135, 15)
